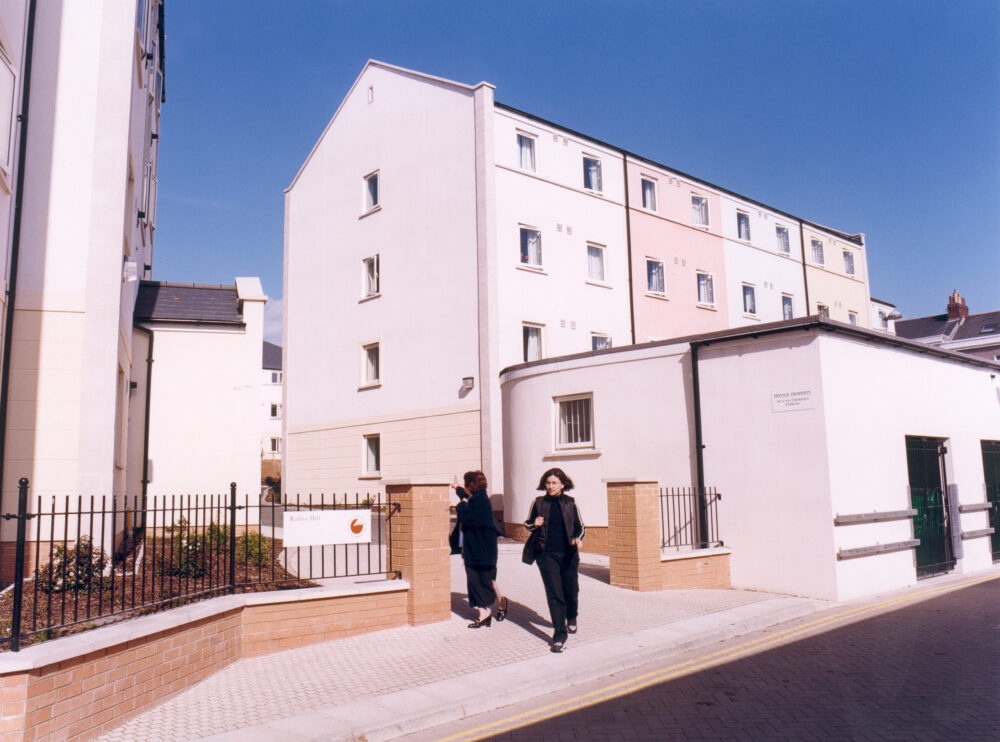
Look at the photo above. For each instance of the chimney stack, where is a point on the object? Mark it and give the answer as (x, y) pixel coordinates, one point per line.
(956, 306)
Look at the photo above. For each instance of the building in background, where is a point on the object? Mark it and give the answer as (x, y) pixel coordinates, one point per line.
(270, 389)
(422, 260)
(883, 315)
(956, 329)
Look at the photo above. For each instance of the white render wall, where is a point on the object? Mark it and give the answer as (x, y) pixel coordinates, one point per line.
(552, 199)
(419, 133)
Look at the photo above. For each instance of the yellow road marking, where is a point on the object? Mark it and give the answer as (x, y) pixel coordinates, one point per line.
(646, 680)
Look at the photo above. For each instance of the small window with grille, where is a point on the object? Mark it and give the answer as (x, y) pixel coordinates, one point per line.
(575, 421)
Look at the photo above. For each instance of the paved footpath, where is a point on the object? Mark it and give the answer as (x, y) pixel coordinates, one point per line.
(929, 670)
(389, 683)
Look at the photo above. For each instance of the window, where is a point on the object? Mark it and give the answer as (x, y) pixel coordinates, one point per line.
(275, 377)
(784, 246)
(852, 317)
(988, 329)
(373, 454)
(823, 311)
(706, 289)
(595, 262)
(749, 299)
(575, 426)
(276, 445)
(531, 246)
(743, 225)
(370, 276)
(8, 86)
(592, 174)
(371, 364)
(786, 307)
(371, 191)
(599, 342)
(655, 283)
(275, 411)
(526, 152)
(817, 250)
(699, 211)
(848, 262)
(883, 319)
(649, 194)
(531, 339)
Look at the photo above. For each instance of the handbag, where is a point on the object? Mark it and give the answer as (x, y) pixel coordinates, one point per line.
(534, 546)
(455, 539)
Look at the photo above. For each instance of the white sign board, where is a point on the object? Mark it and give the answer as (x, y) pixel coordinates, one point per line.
(793, 400)
(320, 527)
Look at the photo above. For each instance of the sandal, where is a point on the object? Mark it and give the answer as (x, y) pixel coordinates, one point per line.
(502, 612)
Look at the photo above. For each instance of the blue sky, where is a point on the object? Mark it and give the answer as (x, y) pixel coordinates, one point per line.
(880, 117)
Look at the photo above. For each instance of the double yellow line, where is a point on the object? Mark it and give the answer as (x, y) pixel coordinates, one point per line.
(752, 646)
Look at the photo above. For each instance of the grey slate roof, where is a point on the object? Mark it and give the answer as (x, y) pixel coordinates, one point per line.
(923, 327)
(939, 324)
(160, 301)
(272, 356)
(975, 324)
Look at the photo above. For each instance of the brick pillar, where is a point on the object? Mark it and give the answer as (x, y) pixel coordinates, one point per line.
(419, 548)
(634, 534)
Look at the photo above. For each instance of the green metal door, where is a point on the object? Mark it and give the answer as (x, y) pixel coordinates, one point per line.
(928, 484)
(991, 473)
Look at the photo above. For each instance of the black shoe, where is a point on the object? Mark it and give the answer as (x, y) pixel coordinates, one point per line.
(557, 647)
(481, 622)
(571, 627)
(502, 612)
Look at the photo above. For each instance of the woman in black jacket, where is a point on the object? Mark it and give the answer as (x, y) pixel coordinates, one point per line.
(557, 532)
(479, 548)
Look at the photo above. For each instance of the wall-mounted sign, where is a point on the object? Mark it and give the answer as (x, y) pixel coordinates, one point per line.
(793, 400)
(320, 527)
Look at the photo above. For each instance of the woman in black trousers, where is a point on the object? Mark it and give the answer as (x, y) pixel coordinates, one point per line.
(479, 548)
(557, 550)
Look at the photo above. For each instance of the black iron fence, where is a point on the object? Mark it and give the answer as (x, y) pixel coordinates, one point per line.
(89, 561)
(689, 518)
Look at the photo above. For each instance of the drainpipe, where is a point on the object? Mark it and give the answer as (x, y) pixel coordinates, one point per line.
(698, 448)
(805, 275)
(145, 423)
(15, 243)
(628, 249)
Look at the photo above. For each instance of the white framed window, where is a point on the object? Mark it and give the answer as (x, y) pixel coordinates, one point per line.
(8, 87)
(655, 278)
(275, 377)
(600, 341)
(749, 299)
(595, 262)
(883, 319)
(371, 363)
(275, 411)
(531, 247)
(531, 341)
(592, 174)
(817, 251)
(823, 311)
(526, 152)
(848, 262)
(649, 194)
(699, 210)
(371, 195)
(370, 276)
(852, 317)
(275, 445)
(743, 225)
(373, 454)
(786, 307)
(575, 421)
(781, 235)
(706, 289)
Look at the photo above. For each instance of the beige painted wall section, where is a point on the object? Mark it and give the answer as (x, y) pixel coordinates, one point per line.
(829, 282)
(429, 444)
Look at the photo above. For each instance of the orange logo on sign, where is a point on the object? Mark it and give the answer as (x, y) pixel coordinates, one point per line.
(356, 526)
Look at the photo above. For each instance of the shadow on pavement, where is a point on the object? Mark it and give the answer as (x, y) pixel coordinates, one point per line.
(518, 614)
(596, 572)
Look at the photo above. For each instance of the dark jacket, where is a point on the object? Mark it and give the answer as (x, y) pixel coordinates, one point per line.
(479, 530)
(572, 522)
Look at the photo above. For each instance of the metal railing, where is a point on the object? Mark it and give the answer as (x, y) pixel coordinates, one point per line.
(94, 560)
(689, 518)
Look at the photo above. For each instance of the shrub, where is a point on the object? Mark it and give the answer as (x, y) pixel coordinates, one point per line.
(185, 554)
(75, 568)
(218, 537)
(253, 549)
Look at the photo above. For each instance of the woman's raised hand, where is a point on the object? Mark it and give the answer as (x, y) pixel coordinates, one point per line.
(455, 483)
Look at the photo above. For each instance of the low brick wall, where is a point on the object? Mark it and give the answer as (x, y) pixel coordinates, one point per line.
(698, 569)
(82, 686)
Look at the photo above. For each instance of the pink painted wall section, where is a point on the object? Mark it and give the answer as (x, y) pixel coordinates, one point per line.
(668, 234)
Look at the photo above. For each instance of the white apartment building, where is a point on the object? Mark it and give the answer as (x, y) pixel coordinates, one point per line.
(270, 403)
(434, 237)
(83, 168)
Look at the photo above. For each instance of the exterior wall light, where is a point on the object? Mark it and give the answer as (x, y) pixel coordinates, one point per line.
(467, 383)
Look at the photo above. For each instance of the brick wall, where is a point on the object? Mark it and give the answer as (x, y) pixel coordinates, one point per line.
(634, 535)
(705, 571)
(420, 551)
